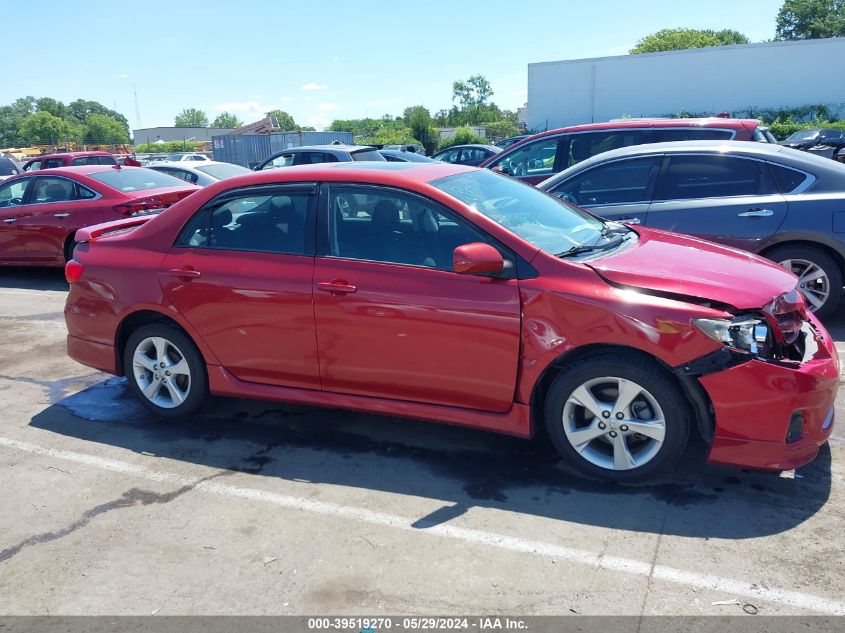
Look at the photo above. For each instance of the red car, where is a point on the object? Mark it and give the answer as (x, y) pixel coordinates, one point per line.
(41, 211)
(537, 157)
(457, 295)
(69, 159)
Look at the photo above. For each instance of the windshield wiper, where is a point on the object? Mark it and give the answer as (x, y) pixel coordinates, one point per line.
(578, 250)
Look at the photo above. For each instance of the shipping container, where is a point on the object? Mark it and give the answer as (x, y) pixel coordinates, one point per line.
(249, 149)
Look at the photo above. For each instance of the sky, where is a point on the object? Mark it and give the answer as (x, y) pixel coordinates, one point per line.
(325, 60)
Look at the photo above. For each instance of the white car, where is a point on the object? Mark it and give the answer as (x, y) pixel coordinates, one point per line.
(175, 158)
(200, 173)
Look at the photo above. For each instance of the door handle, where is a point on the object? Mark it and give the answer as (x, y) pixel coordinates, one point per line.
(10, 220)
(756, 213)
(61, 215)
(337, 286)
(185, 273)
(629, 221)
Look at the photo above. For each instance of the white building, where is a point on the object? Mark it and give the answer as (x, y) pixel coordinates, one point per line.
(730, 79)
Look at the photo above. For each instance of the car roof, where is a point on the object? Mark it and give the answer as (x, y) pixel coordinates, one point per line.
(83, 170)
(343, 148)
(69, 155)
(472, 145)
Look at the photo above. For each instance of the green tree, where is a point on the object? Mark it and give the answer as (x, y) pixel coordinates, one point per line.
(81, 108)
(472, 95)
(191, 117)
(463, 136)
(100, 128)
(226, 120)
(810, 19)
(42, 128)
(677, 39)
(285, 120)
(54, 107)
(418, 120)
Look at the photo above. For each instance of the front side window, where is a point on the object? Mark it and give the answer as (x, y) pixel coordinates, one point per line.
(534, 159)
(712, 176)
(618, 182)
(269, 223)
(392, 227)
(540, 219)
(11, 193)
(33, 166)
(51, 163)
(285, 160)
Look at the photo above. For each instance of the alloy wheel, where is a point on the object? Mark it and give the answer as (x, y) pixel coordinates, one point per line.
(812, 281)
(614, 423)
(161, 372)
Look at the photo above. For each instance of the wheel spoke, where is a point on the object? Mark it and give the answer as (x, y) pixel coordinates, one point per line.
(815, 298)
(622, 458)
(653, 428)
(180, 368)
(811, 273)
(151, 390)
(582, 437)
(140, 358)
(176, 394)
(787, 263)
(628, 391)
(161, 349)
(585, 398)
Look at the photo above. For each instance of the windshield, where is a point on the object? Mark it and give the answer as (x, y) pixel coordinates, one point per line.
(136, 179)
(222, 170)
(803, 135)
(545, 221)
(367, 154)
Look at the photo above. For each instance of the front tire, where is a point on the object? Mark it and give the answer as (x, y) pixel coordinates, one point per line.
(616, 418)
(819, 277)
(165, 370)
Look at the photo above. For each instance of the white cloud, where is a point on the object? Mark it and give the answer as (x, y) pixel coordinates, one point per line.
(313, 86)
(335, 59)
(123, 76)
(328, 107)
(318, 122)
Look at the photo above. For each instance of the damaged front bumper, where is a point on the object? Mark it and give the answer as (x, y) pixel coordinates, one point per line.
(768, 414)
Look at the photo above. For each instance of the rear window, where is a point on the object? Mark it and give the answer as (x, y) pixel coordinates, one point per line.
(367, 154)
(135, 179)
(224, 170)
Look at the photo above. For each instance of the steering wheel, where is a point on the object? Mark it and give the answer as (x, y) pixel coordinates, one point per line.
(519, 169)
(343, 205)
(13, 202)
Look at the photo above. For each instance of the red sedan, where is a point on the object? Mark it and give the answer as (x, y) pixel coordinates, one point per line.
(462, 296)
(40, 211)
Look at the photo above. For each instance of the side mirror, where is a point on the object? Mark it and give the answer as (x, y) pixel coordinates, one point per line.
(498, 169)
(477, 259)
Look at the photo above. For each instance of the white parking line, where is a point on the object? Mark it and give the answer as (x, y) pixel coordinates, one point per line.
(479, 537)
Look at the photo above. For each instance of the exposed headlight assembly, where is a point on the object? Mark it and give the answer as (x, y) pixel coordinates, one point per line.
(743, 334)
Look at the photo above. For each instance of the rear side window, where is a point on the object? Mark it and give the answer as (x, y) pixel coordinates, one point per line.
(135, 179)
(271, 223)
(583, 146)
(314, 158)
(285, 160)
(691, 134)
(713, 176)
(619, 182)
(50, 163)
(787, 180)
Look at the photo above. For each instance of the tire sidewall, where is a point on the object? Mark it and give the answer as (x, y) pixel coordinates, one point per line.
(199, 379)
(652, 378)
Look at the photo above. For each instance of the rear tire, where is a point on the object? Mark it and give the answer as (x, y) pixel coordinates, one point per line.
(820, 275)
(616, 418)
(165, 370)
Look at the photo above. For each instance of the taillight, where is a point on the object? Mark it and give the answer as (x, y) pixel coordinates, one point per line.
(73, 271)
(140, 206)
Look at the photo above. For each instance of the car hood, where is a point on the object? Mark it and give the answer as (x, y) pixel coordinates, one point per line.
(679, 266)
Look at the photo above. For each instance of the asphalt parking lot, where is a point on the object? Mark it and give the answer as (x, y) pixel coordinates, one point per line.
(262, 508)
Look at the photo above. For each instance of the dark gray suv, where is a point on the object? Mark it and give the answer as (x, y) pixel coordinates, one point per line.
(783, 204)
(311, 154)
